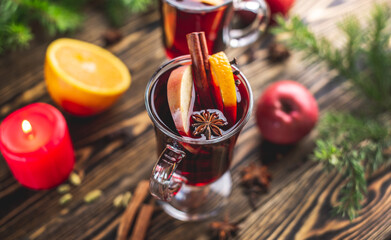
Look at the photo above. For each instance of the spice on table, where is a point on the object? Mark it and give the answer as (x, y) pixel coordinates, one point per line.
(122, 200)
(142, 222)
(66, 198)
(111, 36)
(63, 188)
(278, 52)
(256, 178)
(126, 198)
(257, 175)
(117, 202)
(224, 229)
(75, 179)
(92, 196)
(139, 195)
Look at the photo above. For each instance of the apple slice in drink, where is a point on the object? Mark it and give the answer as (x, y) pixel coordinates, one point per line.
(224, 85)
(180, 97)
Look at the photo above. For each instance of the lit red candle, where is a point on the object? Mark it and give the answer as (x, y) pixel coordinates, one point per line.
(36, 145)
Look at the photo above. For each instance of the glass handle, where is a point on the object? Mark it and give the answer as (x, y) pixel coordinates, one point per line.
(245, 36)
(164, 182)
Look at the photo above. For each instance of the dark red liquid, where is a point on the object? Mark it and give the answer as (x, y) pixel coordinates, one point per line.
(180, 17)
(203, 163)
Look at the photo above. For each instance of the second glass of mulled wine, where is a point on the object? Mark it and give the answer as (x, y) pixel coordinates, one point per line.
(192, 175)
(215, 18)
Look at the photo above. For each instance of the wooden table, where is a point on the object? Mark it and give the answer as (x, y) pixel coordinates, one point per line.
(116, 149)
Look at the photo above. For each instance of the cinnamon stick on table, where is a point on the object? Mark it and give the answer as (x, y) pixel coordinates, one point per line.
(142, 222)
(200, 65)
(140, 194)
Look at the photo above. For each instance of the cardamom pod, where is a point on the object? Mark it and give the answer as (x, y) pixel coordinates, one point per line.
(92, 196)
(63, 188)
(75, 179)
(126, 198)
(117, 202)
(66, 198)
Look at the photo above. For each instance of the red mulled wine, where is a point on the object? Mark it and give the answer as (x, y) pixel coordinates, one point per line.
(206, 162)
(180, 17)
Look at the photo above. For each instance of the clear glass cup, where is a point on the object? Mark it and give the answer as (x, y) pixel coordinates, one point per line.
(180, 17)
(192, 176)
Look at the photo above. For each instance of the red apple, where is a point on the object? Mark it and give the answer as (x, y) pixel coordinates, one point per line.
(180, 97)
(280, 6)
(286, 112)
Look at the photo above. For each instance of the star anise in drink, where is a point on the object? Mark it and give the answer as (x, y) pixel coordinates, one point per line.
(208, 124)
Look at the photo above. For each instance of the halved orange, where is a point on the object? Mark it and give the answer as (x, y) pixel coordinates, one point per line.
(84, 78)
(224, 83)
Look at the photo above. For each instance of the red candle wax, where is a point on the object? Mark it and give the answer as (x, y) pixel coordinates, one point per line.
(36, 145)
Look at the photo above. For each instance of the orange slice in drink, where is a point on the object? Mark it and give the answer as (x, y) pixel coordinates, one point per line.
(212, 2)
(224, 84)
(84, 79)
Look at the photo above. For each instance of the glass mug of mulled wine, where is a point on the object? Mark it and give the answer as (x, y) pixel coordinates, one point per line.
(234, 23)
(192, 176)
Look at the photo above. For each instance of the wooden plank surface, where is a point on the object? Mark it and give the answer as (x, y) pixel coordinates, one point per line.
(114, 148)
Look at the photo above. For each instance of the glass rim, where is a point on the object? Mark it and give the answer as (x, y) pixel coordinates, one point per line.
(162, 127)
(182, 7)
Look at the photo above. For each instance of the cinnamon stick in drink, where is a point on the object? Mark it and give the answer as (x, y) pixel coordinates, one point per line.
(201, 70)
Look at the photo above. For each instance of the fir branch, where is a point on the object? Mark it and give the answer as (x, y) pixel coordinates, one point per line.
(12, 34)
(365, 58)
(7, 10)
(117, 10)
(16, 32)
(55, 16)
(353, 146)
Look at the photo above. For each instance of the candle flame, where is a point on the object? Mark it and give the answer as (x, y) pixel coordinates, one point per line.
(26, 127)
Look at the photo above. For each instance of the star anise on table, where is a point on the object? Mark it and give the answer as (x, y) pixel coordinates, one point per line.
(278, 52)
(208, 124)
(111, 36)
(224, 229)
(256, 178)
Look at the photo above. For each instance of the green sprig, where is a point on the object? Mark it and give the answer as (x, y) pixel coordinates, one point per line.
(55, 16)
(352, 145)
(117, 10)
(365, 58)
